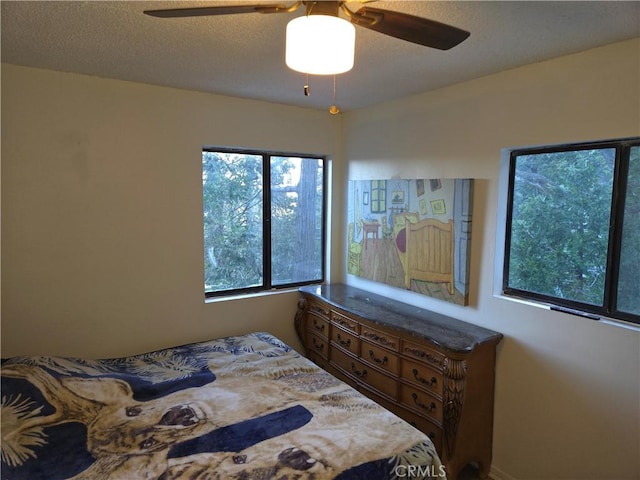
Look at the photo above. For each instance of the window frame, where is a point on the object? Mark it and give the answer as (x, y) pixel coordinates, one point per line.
(267, 283)
(608, 309)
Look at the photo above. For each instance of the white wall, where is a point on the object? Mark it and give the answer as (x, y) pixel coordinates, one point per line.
(102, 248)
(567, 389)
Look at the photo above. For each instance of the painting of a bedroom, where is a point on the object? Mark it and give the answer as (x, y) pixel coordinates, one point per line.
(412, 234)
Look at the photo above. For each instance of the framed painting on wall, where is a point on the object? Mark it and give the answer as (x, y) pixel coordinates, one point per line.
(403, 244)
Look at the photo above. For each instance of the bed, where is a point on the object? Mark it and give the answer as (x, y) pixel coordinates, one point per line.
(426, 249)
(242, 407)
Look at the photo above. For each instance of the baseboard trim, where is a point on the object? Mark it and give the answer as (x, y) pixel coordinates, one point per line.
(497, 474)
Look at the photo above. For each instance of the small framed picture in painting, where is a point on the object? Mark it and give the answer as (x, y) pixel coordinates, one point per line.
(423, 207)
(397, 196)
(438, 207)
(435, 185)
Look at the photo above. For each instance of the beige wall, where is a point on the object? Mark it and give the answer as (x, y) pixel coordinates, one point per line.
(102, 230)
(102, 248)
(567, 388)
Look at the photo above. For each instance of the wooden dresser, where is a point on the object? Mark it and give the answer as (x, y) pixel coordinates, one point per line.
(434, 371)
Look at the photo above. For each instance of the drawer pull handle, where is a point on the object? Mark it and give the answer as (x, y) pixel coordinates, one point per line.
(379, 339)
(319, 327)
(424, 381)
(344, 343)
(382, 361)
(428, 408)
(361, 373)
(318, 346)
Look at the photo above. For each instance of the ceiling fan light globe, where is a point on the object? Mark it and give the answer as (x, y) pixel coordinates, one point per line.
(320, 45)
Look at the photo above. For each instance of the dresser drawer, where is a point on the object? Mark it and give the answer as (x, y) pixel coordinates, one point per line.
(421, 402)
(319, 309)
(384, 339)
(431, 429)
(345, 340)
(424, 354)
(317, 359)
(317, 344)
(379, 357)
(318, 325)
(345, 322)
(422, 376)
(364, 373)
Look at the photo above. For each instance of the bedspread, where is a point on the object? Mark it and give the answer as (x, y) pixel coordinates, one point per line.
(243, 407)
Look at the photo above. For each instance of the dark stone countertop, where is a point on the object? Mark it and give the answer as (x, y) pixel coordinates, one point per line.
(447, 332)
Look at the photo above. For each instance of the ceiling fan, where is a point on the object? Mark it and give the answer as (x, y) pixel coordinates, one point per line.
(323, 43)
(395, 24)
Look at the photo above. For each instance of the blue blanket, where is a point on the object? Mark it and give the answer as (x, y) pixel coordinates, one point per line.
(246, 407)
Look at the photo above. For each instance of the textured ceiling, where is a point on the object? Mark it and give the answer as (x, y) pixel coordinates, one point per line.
(243, 55)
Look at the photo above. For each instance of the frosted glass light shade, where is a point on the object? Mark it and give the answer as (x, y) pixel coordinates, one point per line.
(320, 45)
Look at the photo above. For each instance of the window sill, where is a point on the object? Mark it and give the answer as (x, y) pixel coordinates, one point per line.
(245, 296)
(608, 321)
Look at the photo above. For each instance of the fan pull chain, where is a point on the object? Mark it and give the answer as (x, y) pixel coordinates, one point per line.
(333, 109)
(307, 90)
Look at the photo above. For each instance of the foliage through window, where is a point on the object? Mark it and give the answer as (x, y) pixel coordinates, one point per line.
(263, 220)
(572, 237)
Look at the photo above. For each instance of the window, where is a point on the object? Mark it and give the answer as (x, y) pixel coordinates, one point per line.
(572, 235)
(378, 196)
(263, 220)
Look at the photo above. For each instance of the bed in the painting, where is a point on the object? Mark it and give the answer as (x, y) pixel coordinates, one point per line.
(243, 407)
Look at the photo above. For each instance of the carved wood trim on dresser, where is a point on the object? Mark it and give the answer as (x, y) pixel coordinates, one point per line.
(433, 371)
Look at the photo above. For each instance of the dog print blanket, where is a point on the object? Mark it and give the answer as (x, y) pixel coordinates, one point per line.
(244, 407)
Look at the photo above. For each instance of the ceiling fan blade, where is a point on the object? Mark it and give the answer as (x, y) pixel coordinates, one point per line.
(409, 27)
(222, 10)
